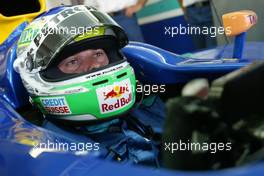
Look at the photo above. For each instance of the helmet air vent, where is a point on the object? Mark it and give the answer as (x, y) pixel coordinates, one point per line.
(100, 82)
(121, 75)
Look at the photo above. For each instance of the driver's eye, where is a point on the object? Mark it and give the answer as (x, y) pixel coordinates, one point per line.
(98, 54)
(72, 62)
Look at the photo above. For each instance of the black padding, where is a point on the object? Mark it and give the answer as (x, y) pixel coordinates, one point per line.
(18, 7)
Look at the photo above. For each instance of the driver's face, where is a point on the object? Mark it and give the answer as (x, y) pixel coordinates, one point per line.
(84, 61)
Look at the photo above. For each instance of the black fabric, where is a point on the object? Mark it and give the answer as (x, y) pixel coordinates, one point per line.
(187, 116)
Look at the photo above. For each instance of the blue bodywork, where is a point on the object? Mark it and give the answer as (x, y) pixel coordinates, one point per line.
(151, 64)
(11, 87)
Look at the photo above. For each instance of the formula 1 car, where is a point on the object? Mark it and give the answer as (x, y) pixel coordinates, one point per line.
(151, 64)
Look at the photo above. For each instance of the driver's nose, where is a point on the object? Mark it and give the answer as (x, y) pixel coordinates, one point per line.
(87, 66)
(96, 63)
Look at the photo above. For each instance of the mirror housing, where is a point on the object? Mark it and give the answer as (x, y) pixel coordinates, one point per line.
(238, 22)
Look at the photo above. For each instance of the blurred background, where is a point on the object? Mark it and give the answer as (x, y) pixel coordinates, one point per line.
(158, 14)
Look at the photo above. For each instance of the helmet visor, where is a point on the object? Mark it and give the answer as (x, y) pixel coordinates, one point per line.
(63, 28)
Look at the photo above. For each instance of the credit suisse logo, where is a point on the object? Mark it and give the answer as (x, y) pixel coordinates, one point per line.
(56, 105)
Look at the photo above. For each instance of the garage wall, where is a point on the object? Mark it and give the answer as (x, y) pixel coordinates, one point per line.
(158, 14)
(225, 6)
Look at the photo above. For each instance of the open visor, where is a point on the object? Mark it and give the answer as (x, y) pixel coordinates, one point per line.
(83, 57)
(62, 28)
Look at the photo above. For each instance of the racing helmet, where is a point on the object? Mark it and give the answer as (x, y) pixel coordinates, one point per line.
(101, 92)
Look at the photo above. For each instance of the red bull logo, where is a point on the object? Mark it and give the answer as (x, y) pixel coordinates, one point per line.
(116, 92)
(118, 104)
(114, 97)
